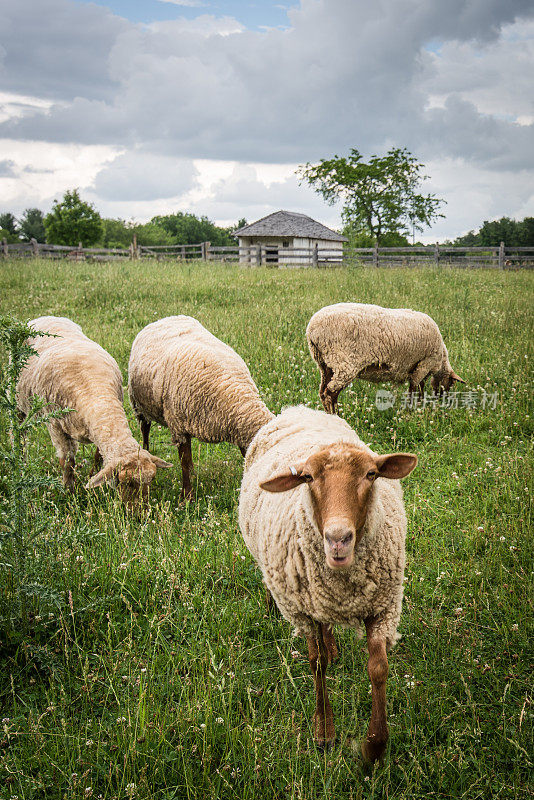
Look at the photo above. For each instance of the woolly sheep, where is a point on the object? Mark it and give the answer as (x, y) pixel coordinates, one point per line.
(183, 377)
(327, 531)
(355, 340)
(72, 371)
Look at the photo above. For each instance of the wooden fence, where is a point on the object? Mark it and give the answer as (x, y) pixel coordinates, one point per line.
(274, 256)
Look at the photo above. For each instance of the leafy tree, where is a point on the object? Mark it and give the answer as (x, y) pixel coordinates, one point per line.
(239, 224)
(31, 225)
(526, 232)
(151, 234)
(9, 237)
(115, 233)
(8, 227)
(73, 221)
(118, 233)
(189, 229)
(380, 196)
(359, 236)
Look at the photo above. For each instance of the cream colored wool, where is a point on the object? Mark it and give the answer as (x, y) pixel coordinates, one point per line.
(72, 371)
(280, 532)
(183, 377)
(376, 344)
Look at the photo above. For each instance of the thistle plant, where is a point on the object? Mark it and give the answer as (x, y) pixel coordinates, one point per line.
(19, 526)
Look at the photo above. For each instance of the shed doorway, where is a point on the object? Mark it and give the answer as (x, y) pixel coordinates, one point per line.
(271, 254)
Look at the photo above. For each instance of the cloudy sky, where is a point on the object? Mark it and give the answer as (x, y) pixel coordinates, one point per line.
(208, 106)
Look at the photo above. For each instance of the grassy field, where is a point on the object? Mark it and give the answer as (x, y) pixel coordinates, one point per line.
(160, 674)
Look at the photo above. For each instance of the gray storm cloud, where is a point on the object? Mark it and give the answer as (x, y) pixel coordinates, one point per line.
(346, 73)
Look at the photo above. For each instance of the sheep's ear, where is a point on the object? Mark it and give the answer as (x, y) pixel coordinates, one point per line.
(105, 474)
(159, 462)
(456, 377)
(396, 465)
(286, 480)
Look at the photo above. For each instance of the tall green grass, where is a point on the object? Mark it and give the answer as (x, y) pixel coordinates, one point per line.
(162, 675)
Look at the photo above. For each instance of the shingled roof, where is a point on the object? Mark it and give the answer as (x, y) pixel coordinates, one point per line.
(289, 223)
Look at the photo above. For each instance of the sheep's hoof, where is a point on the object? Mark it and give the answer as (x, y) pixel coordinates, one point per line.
(372, 751)
(324, 745)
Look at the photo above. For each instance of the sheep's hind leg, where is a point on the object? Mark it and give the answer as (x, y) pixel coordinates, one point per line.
(326, 376)
(66, 452)
(186, 461)
(374, 745)
(324, 733)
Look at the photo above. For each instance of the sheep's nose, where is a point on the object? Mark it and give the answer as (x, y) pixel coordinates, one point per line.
(339, 535)
(339, 538)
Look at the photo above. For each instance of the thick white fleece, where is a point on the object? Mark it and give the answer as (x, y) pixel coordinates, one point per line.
(280, 532)
(376, 344)
(72, 371)
(182, 376)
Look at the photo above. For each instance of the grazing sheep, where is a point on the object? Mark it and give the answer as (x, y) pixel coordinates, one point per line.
(183, 377)
(72, 371)
(355, 340)
(332, 550)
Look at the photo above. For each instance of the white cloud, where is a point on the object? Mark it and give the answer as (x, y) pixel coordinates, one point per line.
(137, 175)
(41, 172)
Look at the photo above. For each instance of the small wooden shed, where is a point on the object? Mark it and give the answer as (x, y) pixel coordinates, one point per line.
(286, 237)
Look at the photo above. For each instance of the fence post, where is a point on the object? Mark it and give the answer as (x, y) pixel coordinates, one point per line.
(375, 255)
(315, 255)
(203, 251)
(5, 248)
(35, 247)
(207, 246)
(258, 255)
(501, 255)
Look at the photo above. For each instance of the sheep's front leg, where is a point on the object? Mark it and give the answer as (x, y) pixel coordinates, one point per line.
(330, 401)
(145, 431)
(374, 744)
(418, 388)
(325, 733)
(186, 461)
(97, 463)
(330, 643)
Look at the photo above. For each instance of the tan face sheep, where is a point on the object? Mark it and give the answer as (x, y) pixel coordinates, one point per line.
(72, 371)
(323, 516)
(355, 340)
(183, 377)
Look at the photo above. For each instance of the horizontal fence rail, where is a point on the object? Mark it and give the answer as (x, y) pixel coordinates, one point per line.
(276, 256)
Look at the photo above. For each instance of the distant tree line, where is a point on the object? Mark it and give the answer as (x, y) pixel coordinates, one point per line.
(72, 220)
(513, 233)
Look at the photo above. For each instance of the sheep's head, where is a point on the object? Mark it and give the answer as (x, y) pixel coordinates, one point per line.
(132, 474)
(340, 479)
(444, 380)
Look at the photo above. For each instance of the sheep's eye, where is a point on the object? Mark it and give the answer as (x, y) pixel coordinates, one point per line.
(371, 474)
(307, 478)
